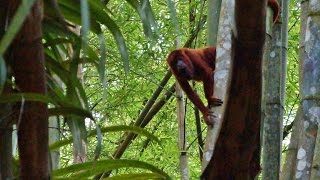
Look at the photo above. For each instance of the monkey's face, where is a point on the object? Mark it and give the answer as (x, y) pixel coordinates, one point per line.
(185, 70)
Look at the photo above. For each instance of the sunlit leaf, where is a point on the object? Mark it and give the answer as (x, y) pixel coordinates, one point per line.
(132, 129)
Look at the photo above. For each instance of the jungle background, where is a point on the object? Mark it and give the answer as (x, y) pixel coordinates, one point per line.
(107, 78)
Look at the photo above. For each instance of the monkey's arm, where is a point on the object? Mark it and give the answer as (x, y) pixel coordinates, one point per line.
(195, 99)
(208, 82)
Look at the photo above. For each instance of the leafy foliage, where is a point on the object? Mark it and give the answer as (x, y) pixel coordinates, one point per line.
(103, 63)
(86, 170)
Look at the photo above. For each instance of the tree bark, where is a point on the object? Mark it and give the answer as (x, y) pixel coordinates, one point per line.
(237, 152)
(27, 62)
(222, 71)
(272, 101)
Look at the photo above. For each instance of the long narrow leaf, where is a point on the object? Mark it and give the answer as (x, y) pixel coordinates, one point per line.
(93, 57)
(173, 15)
(102, 64)
(64, 75)
(88, 169)
(98, 149)
(16, 97)
(71, 11)
(132, 129)
(69, 111)
(50, 26)
(58, 69)
(69, 37)
(146, 15)
(102, 17)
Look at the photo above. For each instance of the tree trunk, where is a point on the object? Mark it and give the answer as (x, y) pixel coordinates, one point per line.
(237, 152)
(273, 101)
(222, 71)
(27, 62)
(311, 87)
(310, 92)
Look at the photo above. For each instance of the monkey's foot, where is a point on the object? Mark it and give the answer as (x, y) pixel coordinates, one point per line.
(215, 101)
(210, 119)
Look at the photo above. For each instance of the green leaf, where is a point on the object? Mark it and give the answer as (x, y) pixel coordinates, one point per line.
(15, 24)
(89, 169)
(58, 69)
(146, 15)
(132, 129)
(17, 97)
(52, 27)
(71, 81)
(93, 57)
(70, 110)
(74, 86)
(98, 149)
(54, 50)
(71, 11)
(173, 15)
(101, 16)
(102, 65)
(58, 41)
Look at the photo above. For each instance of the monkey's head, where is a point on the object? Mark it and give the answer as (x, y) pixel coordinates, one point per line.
(181, 63)
(186, 71)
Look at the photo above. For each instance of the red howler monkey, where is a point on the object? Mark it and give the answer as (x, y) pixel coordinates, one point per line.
(196, 64)
(199, 64)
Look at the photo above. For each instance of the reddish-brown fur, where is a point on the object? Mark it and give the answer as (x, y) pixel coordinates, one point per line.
(196, 64)
(274, 5)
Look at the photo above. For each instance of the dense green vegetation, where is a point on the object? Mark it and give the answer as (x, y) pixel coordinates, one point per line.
(113, 75)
